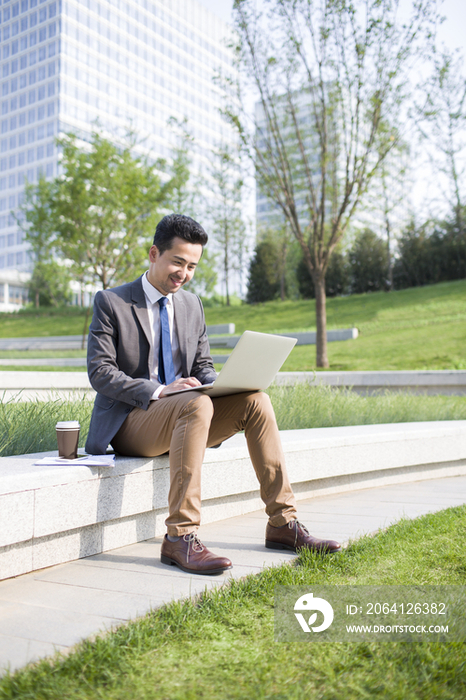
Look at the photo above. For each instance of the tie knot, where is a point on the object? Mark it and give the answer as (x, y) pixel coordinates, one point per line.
(162, 302)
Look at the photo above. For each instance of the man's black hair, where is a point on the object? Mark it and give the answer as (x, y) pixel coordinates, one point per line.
(178, 226)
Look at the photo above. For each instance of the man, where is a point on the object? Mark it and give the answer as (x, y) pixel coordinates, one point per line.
(149, 337)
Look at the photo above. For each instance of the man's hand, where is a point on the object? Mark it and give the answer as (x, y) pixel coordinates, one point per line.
(178, 384)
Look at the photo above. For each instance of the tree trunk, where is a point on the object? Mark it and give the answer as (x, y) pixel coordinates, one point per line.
(321, 323)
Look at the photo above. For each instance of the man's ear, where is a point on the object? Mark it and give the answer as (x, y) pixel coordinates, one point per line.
(153, 254)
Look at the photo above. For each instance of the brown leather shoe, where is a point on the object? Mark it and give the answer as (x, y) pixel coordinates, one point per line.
(189, 554)
(294, 536)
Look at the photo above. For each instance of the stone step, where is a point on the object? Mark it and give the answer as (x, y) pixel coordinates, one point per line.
(51, 515)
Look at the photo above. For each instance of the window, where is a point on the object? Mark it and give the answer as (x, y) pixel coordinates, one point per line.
(32, 96)
(41, 73)
(21, 178)
(22, 100)
(6, 51)
(40, 113)
(41, 129)
(23, 62)
(22, 139)
(23, 43)
(33, 19)
(31, 155)
(42, 53)
(51, 69)
(50, 129)
(24, 5)
(32, 38)
(52, 49)
(52, 9)
(11, 181)
(21, 158)
(32, 77)
(13, 141)
(14, 103)
(4, 146)
(52, 29)
(49, 170)
(31, 134)
(24, 24)
(15, 10)
(5, 107)
(51, 89)
(40, 152)
(14, 46)
(49, 150)
(6, 14)
(22, 117)
(12, 162)
(42, 14)
(50, 109)
(22, 81)
(31, 116)
(6, 33)
(14, 65)
(14, 84)
(15, 28)
(42, 34)
(32, 58)
(6, 70)
(5, 89)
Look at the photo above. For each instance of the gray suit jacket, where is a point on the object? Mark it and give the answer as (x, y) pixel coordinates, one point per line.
(119, 355)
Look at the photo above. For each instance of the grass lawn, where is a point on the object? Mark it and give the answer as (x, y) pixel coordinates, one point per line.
(418, 328)
(222, 645)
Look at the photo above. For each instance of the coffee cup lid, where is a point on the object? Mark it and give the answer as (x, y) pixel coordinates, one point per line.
(67, 425)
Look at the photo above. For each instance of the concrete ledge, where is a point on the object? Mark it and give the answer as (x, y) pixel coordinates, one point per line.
(74, 342)
(50, 515)
(307, 338)
(445, 382)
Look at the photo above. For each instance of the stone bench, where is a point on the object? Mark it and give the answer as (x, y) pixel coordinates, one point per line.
(50, 515)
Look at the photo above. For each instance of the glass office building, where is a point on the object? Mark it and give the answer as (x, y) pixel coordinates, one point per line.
(67, 63)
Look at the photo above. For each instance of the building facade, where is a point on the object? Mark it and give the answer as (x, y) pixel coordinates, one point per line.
(69, 64)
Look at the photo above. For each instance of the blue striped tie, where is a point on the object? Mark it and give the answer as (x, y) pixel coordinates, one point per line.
(166, 369)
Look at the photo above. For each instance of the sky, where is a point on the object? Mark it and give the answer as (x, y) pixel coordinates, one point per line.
(452, 32)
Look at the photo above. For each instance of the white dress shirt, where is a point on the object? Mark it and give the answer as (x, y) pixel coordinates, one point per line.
(152, 296)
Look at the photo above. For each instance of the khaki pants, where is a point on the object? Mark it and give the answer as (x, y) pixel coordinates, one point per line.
(185, 425)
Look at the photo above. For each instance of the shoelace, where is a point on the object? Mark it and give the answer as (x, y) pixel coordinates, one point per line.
(194, 543)
(296, 525)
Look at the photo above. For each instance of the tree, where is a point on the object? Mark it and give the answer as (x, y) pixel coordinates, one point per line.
(50, 283)
(263, 283)
(368, 263)
(443, 121)
(100, 213)
(329, 76)
(226, 212)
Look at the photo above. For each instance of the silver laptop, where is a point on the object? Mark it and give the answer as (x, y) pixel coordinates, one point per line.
(253, 364)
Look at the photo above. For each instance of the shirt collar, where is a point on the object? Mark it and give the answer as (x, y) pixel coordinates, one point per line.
(153, 294)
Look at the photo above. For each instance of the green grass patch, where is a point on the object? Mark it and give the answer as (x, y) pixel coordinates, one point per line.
(222, 644)
(29, 426)
(305, 406)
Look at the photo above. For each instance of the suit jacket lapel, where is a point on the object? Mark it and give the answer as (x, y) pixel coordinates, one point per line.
(181, 325)
(140, 311)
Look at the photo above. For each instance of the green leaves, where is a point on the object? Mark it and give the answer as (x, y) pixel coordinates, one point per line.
(100, 214)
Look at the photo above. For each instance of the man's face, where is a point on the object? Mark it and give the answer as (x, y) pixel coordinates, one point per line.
(170, 270)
